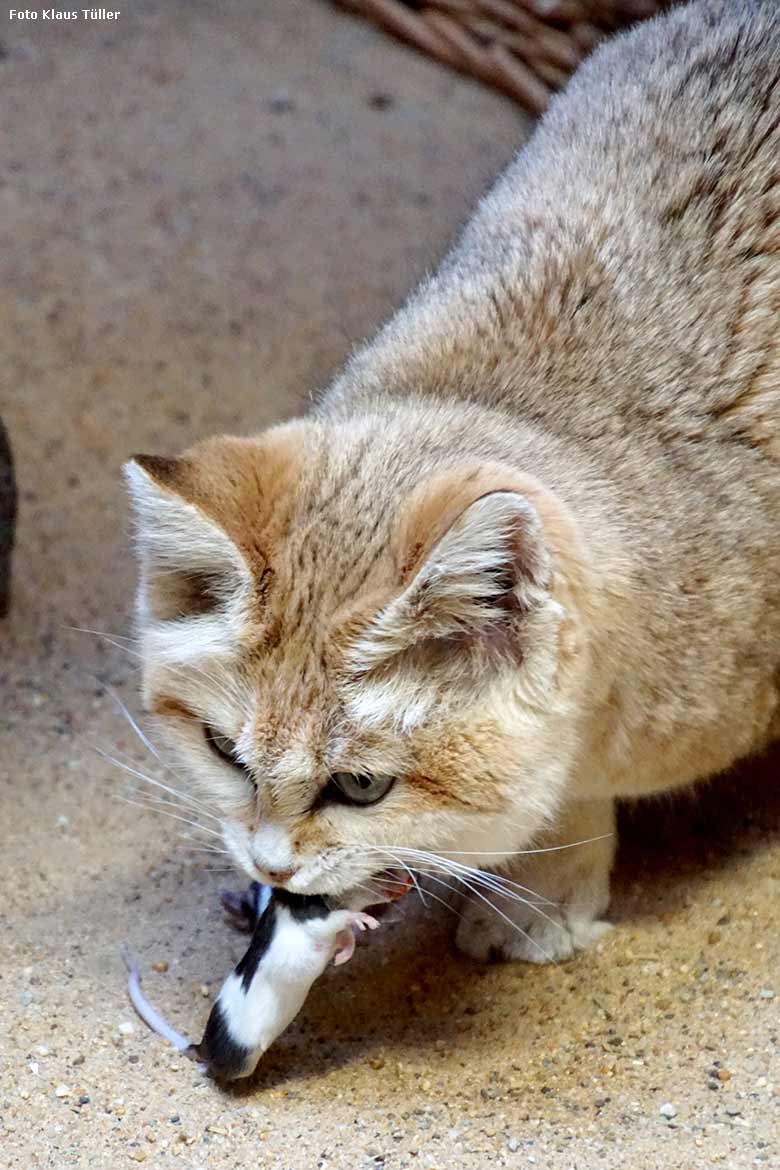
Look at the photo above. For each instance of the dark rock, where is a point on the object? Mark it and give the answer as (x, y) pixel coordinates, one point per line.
(7, 518)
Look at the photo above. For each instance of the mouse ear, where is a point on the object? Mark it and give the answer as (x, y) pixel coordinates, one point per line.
(345, 942)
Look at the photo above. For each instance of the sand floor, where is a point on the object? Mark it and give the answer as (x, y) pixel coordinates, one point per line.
(201, 207)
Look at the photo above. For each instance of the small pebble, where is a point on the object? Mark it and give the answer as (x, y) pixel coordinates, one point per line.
(381, 101)
(62, 1091)
(512, 1144)
(668, 1110)
(280, 102)
(126, 1028)
(205, 990)
(160, 967)
(83, 1099)
(766, 993)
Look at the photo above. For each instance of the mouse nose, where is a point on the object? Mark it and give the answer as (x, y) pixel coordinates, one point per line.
(280, 877)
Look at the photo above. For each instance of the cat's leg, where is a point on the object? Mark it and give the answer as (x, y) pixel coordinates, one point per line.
(568, 890)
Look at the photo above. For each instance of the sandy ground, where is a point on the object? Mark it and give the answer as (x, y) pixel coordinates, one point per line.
(201, 207)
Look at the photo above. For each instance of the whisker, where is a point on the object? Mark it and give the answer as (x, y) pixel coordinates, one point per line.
(495, 884)
(184, 797)
(523, 852)
(415, 883)
(151, 801)
(110, 639)
(496, 910)
(443, 901)
(496, 881)
(206, 849)
(493, 907)
(124, 711)
(161, 812)
(477, 878)
(453, 890)
(99, 633)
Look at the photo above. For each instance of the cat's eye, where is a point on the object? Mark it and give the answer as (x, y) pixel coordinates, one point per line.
(354, 788)
(222, 746)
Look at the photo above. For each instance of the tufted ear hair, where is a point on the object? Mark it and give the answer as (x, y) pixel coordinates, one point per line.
(475, 564)
(190, 569)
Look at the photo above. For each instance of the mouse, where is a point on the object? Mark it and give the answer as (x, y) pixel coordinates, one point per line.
(294, 938)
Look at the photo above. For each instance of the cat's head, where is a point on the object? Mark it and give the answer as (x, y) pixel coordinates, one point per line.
(356, 648)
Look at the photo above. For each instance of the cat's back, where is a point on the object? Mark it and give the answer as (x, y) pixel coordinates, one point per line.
(646, 267)
(623, 276)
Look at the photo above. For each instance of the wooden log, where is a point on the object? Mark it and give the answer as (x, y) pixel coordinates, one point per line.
(7, 518)
(527, 48)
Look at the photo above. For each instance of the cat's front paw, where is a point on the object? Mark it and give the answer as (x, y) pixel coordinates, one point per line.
(529, 935)
(553, 902)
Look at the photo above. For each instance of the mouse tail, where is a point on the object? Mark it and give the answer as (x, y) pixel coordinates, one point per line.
(150, 1016)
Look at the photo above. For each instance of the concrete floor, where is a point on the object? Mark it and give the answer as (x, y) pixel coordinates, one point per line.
(202, 206)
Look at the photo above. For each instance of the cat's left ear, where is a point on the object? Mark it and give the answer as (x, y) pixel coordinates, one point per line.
(475, 563)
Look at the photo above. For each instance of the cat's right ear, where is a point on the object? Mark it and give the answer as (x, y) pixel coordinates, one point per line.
(190, 570)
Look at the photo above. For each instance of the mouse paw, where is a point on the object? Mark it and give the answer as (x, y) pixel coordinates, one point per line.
(362, 921)
(354, 922)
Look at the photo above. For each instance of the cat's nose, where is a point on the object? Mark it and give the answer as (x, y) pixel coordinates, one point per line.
(280, 877)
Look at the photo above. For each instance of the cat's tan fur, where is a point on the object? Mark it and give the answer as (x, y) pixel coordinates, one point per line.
(524, 554)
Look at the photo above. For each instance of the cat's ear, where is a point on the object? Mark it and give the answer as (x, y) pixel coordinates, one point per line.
(475, 563)
(190, 568)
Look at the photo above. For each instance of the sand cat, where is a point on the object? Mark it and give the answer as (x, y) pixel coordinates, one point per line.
(523, 556)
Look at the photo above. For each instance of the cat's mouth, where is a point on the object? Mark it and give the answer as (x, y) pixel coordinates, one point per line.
(390, 885)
